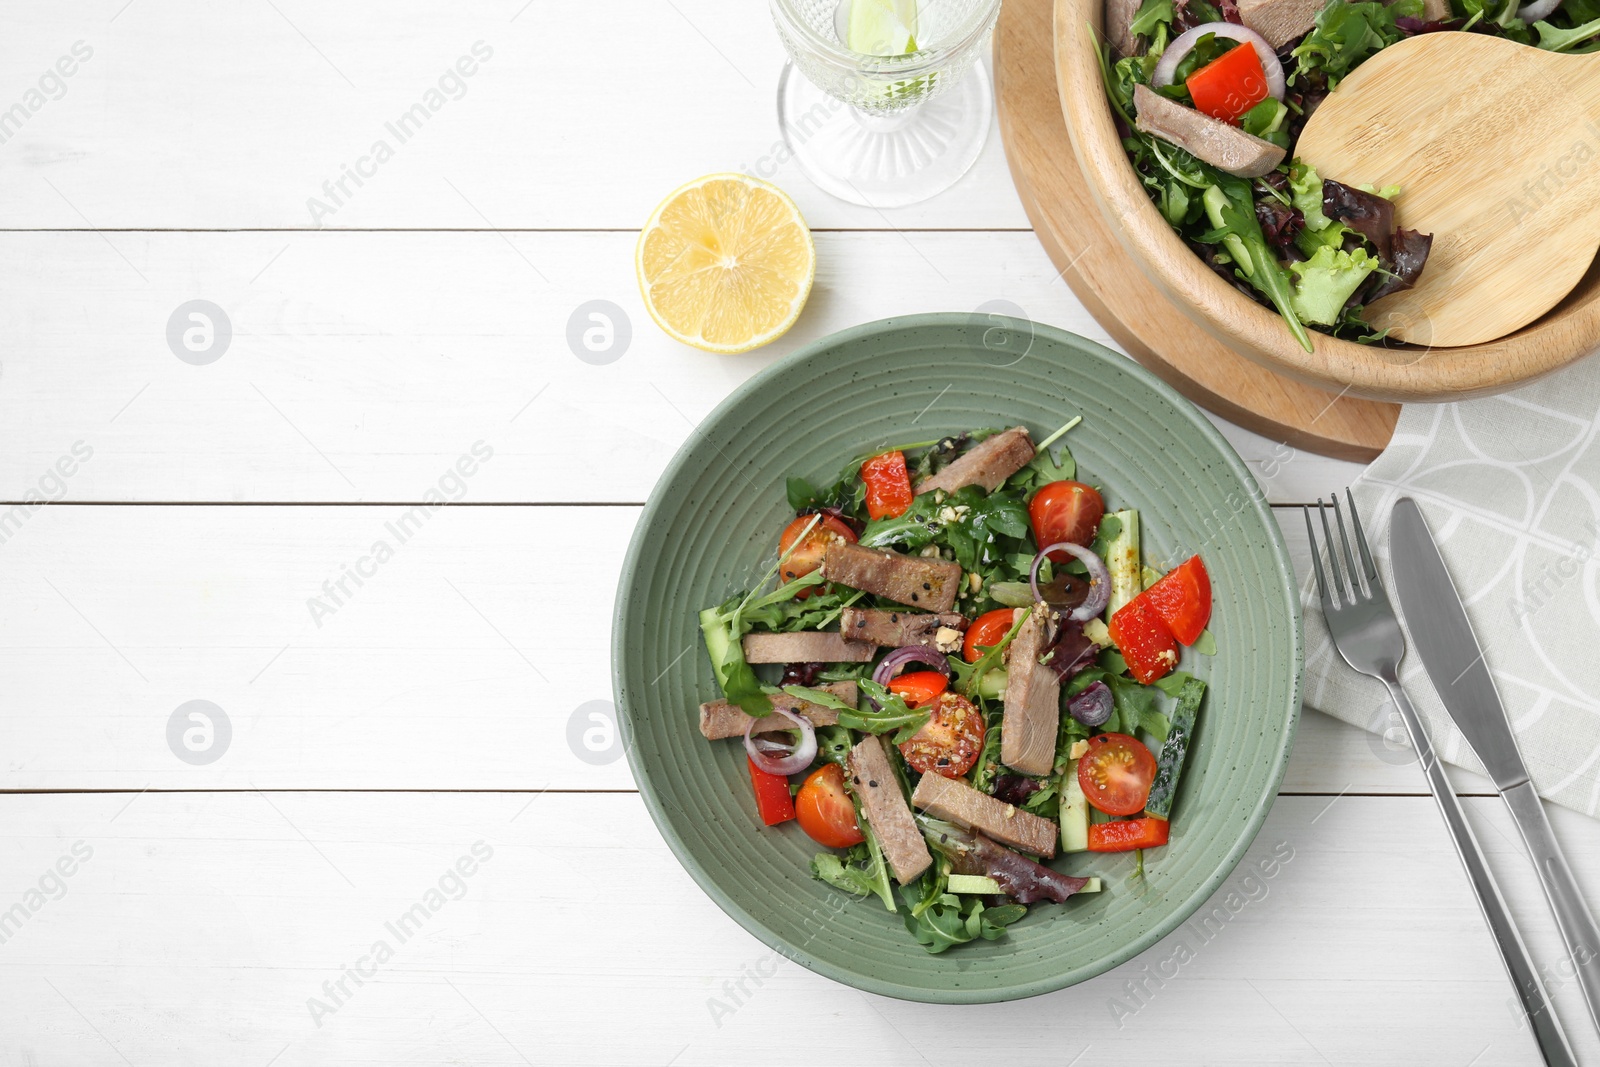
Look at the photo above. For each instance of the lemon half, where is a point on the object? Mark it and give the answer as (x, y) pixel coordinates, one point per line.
(725, 263)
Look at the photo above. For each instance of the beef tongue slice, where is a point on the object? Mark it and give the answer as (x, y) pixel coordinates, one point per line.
(1032, 699)
(915, 581)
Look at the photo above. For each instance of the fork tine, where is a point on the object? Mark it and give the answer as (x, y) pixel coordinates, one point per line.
(1341, 591)
(1356, 590)
(1316, 557)
(1361, 541)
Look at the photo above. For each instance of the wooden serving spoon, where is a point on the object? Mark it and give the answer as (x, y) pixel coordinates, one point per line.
(1496, 148)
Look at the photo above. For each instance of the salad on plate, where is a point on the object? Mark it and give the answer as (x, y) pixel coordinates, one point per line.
(957, 672)
(1210, 96)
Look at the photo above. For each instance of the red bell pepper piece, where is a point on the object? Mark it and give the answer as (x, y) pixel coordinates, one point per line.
(1144, 640)
(888, 485)
(772, 795)
(1229, 85)
(1126, 835)
(1183, 599)
(919, 688)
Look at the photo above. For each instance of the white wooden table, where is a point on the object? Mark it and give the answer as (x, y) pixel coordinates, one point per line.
(198, 508)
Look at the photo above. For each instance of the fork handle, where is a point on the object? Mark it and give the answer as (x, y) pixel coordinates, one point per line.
(1573, 917)
(1541, 1016)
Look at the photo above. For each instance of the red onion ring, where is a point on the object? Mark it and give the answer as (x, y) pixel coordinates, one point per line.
(1539, 9)
(1092, 707)
(1099, 580)
(764, 753)
(1167, 68)
(900, 657)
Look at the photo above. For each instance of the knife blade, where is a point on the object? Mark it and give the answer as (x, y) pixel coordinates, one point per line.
(1437, 622)
(1443, 638)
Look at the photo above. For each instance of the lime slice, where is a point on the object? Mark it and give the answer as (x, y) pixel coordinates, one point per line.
(878, 27)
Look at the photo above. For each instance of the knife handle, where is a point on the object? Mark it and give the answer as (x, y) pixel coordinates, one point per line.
(1573, 917)
(1524, 976)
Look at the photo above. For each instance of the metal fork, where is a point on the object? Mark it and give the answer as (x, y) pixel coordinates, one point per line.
(1367, 634)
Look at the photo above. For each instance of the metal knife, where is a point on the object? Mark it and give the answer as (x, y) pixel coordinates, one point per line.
(1443, 637)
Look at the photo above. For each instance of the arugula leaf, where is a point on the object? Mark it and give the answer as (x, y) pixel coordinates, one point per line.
(833, 744)
(1173, 683)
(861, 873)
(847, 493)
(801, 494)
(939, 920)
(1346, 34)
(1139, 708)
(911, 530)
(893, 713)
(818, 696)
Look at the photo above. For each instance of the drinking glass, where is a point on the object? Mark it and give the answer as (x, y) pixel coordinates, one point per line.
(884, 130)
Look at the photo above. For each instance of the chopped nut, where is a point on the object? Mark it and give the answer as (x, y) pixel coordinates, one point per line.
(1011, 811)
(929, 551)
(975, 580)
(947, 639)
(1078, 750)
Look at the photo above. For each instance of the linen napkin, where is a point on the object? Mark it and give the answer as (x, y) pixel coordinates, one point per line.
(1510, 486)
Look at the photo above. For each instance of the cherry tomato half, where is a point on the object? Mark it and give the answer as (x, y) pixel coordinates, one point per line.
(1115, 774)
(1066, 511)
(986, 632)
(950, 741)
(808, 556)
(825, 811)
(919, 687)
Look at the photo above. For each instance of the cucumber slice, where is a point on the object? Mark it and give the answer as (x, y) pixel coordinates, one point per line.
(1091, 886)
(1170, 763)
(977, 884)
(1074, 811)
(1122, 558)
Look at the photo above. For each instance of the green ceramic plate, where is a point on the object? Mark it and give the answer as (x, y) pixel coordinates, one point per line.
(711, 528)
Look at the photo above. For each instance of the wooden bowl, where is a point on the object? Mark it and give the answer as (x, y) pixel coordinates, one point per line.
(1568, 332)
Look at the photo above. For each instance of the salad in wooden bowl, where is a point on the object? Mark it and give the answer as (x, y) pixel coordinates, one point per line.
(1184, 115)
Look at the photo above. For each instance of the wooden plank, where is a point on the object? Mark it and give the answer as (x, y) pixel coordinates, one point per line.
(458, 664)
(354, 375)
(201, 925)
(287, 96)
